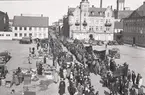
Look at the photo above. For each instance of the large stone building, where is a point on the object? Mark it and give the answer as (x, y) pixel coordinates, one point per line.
(26, 26)
(134, 27)
(84, 20)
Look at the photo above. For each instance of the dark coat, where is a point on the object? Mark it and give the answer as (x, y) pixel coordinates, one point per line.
(62, 87)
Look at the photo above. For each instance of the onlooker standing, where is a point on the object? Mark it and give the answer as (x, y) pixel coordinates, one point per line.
(133, 77)
(61, 87)
(137, 79)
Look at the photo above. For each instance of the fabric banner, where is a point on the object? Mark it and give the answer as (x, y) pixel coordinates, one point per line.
(122, 71)
(100, 54)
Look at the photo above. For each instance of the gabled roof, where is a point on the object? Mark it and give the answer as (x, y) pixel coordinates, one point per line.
(124, 14)
(30, 21)
(118, 25)
(96, 11)
(141, 10)
(121, 0)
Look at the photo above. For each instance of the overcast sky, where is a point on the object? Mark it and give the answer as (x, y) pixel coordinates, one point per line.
(54, 9)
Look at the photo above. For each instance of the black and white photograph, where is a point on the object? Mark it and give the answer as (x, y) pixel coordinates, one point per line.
(72, 47)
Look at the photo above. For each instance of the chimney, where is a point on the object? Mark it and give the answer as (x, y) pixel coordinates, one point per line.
(100, 3)
(41, 15)
(111, 7)
(92, 5)
(21, 14)
(144, 2)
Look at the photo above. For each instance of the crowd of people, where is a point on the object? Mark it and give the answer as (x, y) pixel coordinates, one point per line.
(118, 78)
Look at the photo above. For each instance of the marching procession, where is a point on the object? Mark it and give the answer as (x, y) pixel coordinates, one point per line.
(71, 69)
(118, 78)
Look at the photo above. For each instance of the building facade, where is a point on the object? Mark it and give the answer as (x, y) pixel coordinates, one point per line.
(85, 20)
(30, 26)
(6, 35)
(134, 27)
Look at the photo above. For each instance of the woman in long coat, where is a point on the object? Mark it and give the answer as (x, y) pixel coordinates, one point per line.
(61, 87)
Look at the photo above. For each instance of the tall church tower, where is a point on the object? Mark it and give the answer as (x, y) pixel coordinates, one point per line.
(120, 5)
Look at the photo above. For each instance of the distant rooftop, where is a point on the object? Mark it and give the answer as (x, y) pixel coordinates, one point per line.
(30, 21)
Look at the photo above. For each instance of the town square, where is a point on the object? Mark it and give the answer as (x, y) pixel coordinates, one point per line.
(90, 50)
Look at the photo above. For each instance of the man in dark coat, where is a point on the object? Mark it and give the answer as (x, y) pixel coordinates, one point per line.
(61, 87)
(133, 77)
(137, 79)
(61, 72)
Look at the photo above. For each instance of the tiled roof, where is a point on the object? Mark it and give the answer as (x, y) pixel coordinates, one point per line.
(96, 11)
(141, 10)
(30, 21)
(118, 25)
(124, 14)
(121, 0)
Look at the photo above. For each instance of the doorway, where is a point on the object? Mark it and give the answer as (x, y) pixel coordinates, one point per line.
(134, 40)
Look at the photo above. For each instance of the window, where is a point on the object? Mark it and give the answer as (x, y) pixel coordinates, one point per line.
(30, 34)
(25, 34)
(84, 27)
(90, 28)
(1, 34)
(7, 34)
(15, 28)
(40, 35)
(20, 34)
(20, 28)
(16, 34)
(96, 27)
(25, 28)
(30, 28)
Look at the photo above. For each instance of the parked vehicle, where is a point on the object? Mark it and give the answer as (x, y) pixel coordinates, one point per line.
(5, 56)
(25, 40)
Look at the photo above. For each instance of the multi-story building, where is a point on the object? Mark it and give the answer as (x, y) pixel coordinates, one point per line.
(119, 13)
(85, 20)
(134, 27)
(30, 26)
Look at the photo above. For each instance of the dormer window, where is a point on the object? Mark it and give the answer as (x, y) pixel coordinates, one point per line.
(77, 23)
(100, 13)
(92, 12)
(84, 23)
